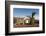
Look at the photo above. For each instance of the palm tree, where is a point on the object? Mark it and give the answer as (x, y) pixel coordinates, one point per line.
(32, 21)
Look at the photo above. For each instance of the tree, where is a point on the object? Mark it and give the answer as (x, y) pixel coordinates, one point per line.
(14, 20)
(32, 21)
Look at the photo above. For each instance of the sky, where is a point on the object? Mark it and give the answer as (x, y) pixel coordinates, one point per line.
(25, 12)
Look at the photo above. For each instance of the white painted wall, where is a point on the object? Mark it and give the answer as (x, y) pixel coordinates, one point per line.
(2, 17)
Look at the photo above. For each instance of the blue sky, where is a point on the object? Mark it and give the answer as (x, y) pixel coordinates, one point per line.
(24, 12)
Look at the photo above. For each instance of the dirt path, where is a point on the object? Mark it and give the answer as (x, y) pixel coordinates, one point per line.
(36, 25)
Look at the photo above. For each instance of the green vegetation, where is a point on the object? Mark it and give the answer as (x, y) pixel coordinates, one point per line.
(32, 21)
